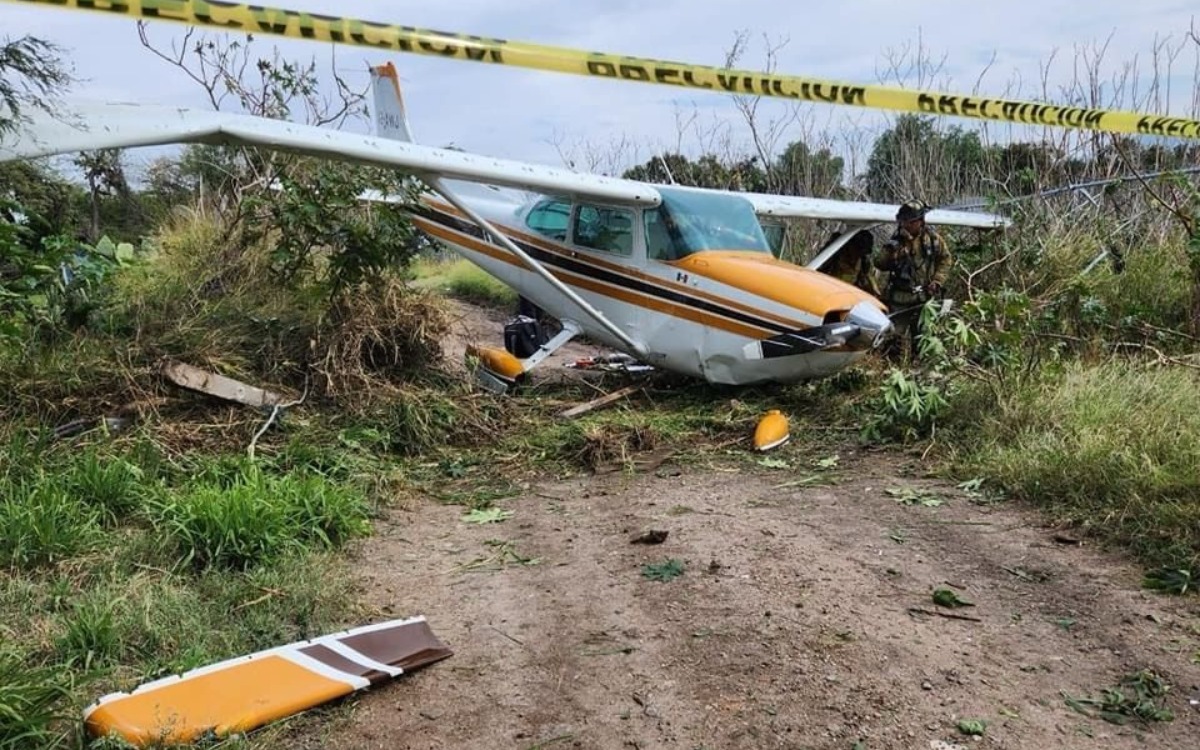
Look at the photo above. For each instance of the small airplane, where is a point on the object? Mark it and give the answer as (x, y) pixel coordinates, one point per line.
(678, 278)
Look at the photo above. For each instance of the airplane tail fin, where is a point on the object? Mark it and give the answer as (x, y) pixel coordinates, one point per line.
(391, 121)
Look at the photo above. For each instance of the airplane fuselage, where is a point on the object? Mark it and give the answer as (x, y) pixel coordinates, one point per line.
(696, 307)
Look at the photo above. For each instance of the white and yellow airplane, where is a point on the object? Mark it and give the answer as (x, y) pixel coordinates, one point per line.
(679, 278)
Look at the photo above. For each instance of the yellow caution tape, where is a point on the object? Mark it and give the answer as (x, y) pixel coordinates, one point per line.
(298, 25)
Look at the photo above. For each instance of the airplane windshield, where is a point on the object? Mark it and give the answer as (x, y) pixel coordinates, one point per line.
(689, 222)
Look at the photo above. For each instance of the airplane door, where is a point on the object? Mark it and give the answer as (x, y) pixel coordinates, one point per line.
(666, 336)
(604, 240)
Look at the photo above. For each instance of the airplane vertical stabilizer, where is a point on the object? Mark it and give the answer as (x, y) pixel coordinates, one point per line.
(391, 121)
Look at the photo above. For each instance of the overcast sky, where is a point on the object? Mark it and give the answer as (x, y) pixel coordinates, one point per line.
(1001, 49)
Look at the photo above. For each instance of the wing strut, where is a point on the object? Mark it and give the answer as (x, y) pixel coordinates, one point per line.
(503, 239)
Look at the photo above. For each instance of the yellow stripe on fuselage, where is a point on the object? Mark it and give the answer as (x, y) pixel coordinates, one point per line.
(550, 246)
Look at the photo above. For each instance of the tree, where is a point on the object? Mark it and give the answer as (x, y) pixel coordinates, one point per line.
(708, 172)
(31, 75)
(306, 212)
(105, 176)
(167, 187)
(764, 132)
(49, 202)
(233, 76)
(1025, 168)
(801, 171)
(914, 159)
(318, 221)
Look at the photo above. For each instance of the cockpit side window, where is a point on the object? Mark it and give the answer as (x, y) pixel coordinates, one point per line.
(550, 218)
(775, 234)
(663, 241)
(604, 228)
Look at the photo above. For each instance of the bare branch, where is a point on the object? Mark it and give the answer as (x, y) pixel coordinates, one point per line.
(1185, 217)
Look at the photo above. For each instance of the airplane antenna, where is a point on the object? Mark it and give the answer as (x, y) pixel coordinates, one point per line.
(666, 169)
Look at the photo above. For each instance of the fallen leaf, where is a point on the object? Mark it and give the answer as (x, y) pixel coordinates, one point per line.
(489, 515)
(912, 496)
(664, 571)
(972, 727)
(773, 463)
(653, 536)
(947, 598)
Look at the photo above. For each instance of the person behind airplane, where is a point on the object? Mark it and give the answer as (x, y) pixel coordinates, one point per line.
(852, 263)
(917, 261)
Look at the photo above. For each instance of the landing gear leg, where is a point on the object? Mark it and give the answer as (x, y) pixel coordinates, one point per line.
(499, 371)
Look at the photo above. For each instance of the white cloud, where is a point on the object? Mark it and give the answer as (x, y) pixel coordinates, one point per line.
(516, 113)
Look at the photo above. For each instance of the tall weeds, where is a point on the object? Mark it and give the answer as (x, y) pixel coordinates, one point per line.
(121, 564)
(1111, 447)
(256, 518)
(31, 699)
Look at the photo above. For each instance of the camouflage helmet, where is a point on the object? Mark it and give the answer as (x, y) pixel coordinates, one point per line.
(914, 209)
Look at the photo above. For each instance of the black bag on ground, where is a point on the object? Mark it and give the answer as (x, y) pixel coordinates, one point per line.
(523, 336)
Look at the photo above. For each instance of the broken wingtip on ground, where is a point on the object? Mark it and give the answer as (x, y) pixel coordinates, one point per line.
(247, 692)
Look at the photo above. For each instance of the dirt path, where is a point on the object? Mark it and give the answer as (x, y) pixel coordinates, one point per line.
(790, 627)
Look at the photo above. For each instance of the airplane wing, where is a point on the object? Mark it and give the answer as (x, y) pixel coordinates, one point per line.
(97, 126)
(797, 207)
(478, 195)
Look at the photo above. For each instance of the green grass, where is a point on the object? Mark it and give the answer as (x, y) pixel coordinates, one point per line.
(55, 504)
(122, 565)
(1153, 288)
(122, 622)
(114, 486)
(90, 634)
(464, 280)
(31, 700)
(257, 517)
(41, 524)
(1110, 447)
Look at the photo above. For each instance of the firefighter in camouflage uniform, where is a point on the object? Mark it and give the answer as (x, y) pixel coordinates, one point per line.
(852, 264)
(917, 262)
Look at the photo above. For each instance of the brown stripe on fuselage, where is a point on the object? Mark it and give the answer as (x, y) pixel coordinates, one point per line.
(639, 299)
(547, 245)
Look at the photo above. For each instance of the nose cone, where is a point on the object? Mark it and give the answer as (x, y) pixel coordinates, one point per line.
(765, 275)
(873, 324)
